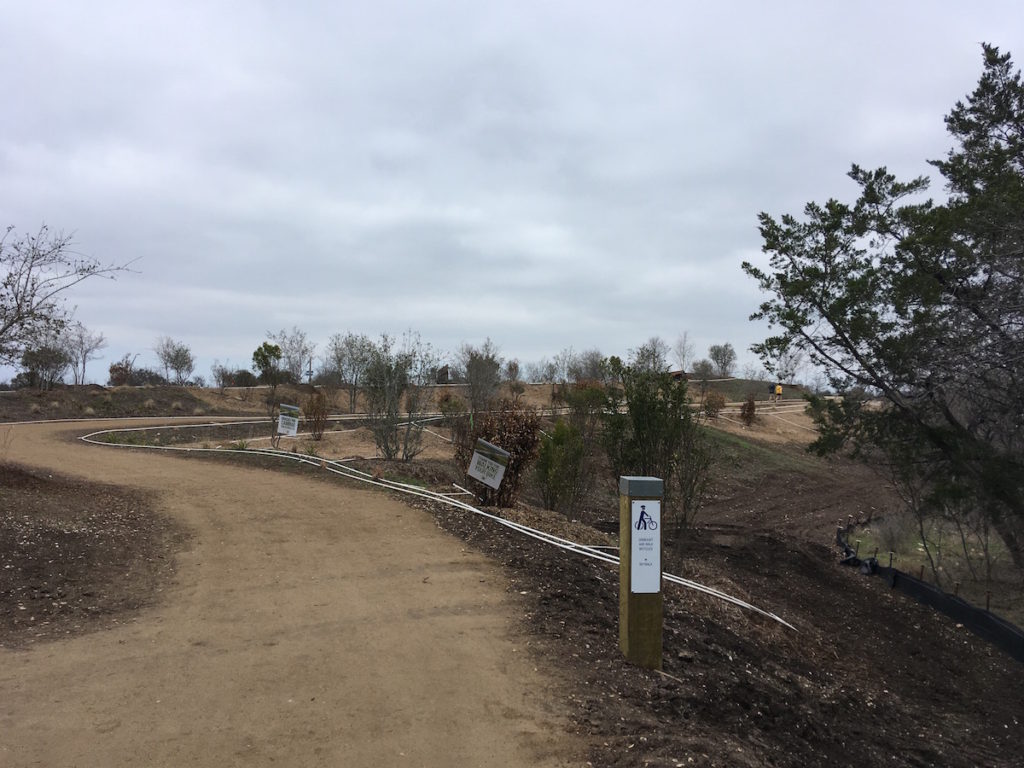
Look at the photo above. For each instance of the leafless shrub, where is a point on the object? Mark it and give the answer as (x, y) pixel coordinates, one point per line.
(748, 411)
(714, 402)
(894, 530)
(515, 429)
(316, 415)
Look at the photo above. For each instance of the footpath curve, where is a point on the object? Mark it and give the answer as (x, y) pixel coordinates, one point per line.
(308, 625)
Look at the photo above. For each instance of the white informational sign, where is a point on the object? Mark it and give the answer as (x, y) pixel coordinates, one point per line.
(288, 420)
(488, 464)
(645, 552)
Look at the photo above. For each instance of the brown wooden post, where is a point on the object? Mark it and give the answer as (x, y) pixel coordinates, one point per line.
(640, 596)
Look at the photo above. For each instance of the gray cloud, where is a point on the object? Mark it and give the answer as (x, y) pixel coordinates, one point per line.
(584, 174)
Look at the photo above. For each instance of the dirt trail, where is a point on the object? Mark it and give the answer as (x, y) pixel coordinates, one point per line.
(309, 625)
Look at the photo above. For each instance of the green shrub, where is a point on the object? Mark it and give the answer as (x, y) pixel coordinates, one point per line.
(643, 421)
(559, 467)
(696, 456)
(650, 430)
(243, 378)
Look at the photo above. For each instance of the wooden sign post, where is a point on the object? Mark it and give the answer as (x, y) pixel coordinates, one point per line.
(640, 598)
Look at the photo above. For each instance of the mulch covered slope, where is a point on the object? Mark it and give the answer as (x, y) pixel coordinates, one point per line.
(869, 677)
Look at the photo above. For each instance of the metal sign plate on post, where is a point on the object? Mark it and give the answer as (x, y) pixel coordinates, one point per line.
(645, 549)
(288, 420)
(488, 464)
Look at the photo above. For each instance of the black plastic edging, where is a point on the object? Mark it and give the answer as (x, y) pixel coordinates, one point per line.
(986, 625)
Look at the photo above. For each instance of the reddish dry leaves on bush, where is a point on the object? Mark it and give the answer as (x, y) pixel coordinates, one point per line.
(512, 428)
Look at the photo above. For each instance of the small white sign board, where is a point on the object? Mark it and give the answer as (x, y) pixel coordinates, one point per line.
(645, 552)
(488, 464)
(288, 420)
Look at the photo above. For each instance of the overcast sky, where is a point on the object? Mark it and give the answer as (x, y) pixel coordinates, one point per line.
(546, 174)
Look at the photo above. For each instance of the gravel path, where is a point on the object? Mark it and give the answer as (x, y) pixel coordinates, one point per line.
(307, 625)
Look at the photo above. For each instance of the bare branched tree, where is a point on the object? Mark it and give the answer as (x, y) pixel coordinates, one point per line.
(222, 375)
(541, 372)
(724, 358)
(588, 367)
(82, 346)
(348, 357)
(35, 272)
(296, 350)
(682, 350)
(395, 380)
(177, 357)
(652, 355)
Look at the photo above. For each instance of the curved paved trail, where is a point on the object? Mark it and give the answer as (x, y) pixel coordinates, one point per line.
(308, 625)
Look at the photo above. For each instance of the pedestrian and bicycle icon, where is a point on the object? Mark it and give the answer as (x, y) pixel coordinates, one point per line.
(645, 522)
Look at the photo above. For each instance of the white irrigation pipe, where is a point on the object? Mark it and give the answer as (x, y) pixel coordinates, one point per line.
(339, 469)
(723, 417)
(439, 437)
(588, 551)
(235, 421)
(792, 423)
(88, 419)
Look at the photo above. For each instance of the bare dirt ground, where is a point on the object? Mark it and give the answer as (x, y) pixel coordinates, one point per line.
(869, 677)
(304, 625)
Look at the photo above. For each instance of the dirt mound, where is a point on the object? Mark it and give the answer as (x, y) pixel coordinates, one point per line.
(76, 556)
(93, 401)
